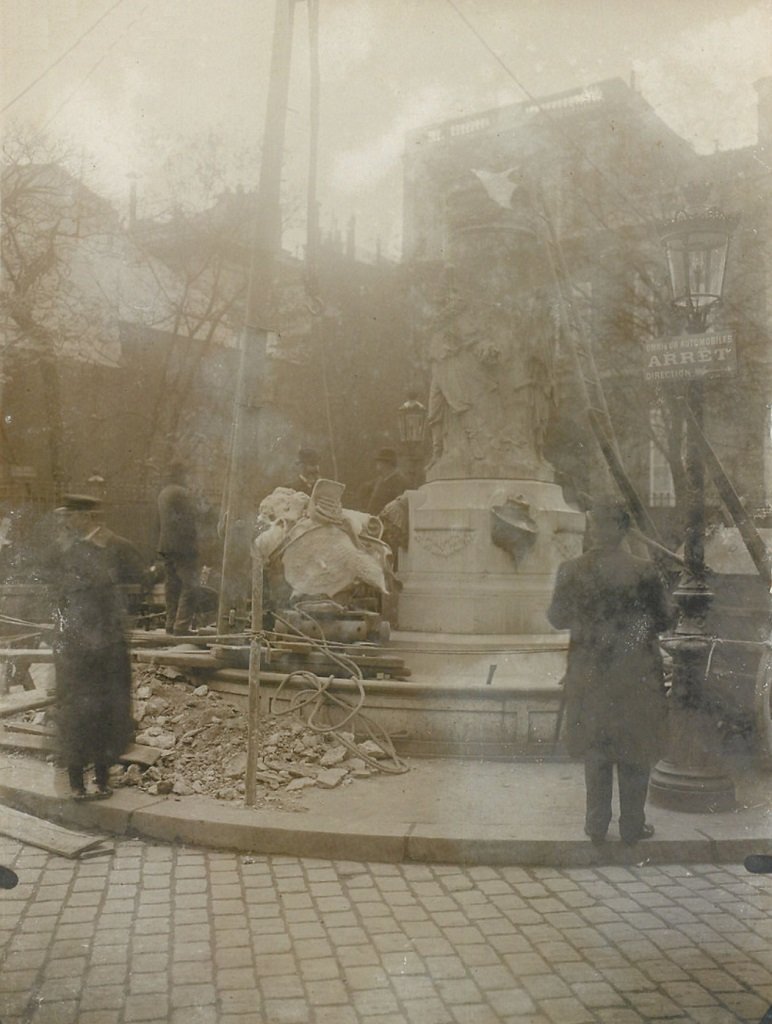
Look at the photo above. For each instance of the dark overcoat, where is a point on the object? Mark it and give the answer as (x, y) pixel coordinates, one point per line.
(382, 490)
(614, 605)
(93, 672)
(177, 516)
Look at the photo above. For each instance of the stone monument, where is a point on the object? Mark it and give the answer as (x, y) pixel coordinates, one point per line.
(489, 528)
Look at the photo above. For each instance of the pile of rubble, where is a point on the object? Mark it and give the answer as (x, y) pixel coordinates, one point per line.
(203, 744)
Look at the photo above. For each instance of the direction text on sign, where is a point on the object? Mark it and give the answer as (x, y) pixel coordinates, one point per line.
(690, 356)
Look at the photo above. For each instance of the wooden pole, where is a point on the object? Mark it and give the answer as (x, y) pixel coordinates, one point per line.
(253, 712)
(239, 515)
(265, 243)
(752, 539)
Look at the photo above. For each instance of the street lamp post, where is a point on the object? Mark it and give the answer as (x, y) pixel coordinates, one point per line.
(411, 423)
(690, 776)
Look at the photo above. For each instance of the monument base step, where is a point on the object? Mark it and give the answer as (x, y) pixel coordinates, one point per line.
(483, 697)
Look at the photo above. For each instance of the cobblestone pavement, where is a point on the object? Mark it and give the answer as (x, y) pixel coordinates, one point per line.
(162, 934)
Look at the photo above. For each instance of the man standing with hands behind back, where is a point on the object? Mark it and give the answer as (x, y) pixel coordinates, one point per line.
(614, 605)
(178, 547)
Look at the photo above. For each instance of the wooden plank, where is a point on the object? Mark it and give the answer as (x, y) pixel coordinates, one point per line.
(30, 653)
(139, 754)
(20, 741)
(31, 728)
(180, 659)
(44, 834)
(29, 700)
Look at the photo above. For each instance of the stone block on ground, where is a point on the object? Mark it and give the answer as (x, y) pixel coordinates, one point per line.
(329, 778)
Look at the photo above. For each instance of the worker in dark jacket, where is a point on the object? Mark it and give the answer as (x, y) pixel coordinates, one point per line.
(93, 674)
(614, 605)
(387, 484)
(307, 465)
(178, 547)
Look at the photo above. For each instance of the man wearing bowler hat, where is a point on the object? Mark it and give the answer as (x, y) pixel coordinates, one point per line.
(387, 484)
(307, 464)
(615, 606)
(93, 673)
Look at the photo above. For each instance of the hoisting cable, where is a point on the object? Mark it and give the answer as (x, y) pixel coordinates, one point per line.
(317, 695)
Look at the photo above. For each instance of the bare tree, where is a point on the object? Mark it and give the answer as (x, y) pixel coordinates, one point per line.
(47, 213)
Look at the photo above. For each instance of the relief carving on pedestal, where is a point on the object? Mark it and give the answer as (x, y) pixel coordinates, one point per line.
(443, 541)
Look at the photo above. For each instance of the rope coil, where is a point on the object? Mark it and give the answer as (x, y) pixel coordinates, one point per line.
(316, 695)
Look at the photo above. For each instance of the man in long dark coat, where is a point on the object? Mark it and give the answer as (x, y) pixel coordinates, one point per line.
(387, 484)
(178, 547)
(614, 605)
(93, 673)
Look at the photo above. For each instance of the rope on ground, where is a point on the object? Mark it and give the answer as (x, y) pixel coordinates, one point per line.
(317, 695)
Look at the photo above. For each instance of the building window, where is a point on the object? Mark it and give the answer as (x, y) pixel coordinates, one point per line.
(661, 486)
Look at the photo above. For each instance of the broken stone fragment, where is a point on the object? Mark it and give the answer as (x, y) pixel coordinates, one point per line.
(236, 766)
(155, 737)
(271, 778)
(143, 693)
(201, 691)
(168, 672)
(165, 786)
(372, 749)
(333, 756)
(183, 788)
(329, 778)
(132, 775)
(300, 784)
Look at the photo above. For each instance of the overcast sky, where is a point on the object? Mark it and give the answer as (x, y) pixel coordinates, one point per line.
(153, 72)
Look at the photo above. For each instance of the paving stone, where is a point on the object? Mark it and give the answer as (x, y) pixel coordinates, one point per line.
(427, 1011)
(280, 939)
(151, 982)
(145, 1007)
(567, 1011)
(326, 992)
(319, 969)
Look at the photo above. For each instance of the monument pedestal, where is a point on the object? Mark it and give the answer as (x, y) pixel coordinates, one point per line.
(457, 580)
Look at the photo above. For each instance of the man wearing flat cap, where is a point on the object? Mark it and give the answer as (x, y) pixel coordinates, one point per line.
(615, 606)
(93, 674)
(387, 484)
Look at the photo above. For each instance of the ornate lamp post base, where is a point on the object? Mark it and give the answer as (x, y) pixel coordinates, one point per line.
(686, 786)
(690, 776)
(689, 792)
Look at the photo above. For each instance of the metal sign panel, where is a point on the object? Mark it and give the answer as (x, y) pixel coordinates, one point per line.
(691, 357)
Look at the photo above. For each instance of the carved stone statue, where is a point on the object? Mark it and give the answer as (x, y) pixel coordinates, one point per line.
(487, 395)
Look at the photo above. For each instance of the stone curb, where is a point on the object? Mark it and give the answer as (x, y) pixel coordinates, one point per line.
(203, 822)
